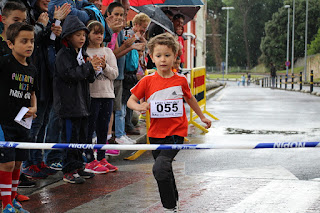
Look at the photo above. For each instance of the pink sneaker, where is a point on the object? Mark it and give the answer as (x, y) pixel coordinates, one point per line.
(96, 167)
(113, 152)
(105, 163)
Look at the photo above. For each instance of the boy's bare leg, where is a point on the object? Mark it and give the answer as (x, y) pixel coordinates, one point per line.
(8, 167)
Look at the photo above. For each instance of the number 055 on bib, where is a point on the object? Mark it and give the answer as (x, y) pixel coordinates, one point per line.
(166, 108)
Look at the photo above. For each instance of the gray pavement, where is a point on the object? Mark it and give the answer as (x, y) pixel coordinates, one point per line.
(231, 180)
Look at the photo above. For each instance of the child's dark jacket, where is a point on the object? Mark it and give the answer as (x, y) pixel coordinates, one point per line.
(71, 93)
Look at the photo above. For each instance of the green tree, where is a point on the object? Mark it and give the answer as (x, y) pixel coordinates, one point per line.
(247, 23)
(214, 49)
(274, 44)
(314, 47)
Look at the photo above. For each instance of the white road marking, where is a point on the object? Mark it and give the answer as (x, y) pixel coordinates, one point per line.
(221, 96)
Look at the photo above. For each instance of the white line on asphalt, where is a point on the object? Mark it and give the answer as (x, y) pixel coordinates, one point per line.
(221, 96)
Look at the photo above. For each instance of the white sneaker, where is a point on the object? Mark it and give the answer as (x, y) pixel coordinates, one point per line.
(123, 140)
(171, 210)
(129, 139)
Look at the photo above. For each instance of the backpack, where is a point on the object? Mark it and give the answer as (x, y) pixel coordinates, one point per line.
(132, 61)
(95, 14)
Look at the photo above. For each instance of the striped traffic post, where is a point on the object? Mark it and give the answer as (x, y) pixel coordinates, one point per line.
(300, 81)
(311, 81)
(292, 81)
(286, 82)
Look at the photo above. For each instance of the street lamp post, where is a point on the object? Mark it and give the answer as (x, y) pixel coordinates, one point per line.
(293, 14)
(306, 42)
(292, 60)
(288, 38)
(227, 39)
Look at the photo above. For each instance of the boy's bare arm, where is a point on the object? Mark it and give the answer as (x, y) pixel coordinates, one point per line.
(194, 105)
(33, 109)
(134, 105)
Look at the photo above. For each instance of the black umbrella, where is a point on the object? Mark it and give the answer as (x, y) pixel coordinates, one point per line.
(188, 8)
(156, 15)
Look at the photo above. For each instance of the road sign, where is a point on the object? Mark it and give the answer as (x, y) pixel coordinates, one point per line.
(288, 63)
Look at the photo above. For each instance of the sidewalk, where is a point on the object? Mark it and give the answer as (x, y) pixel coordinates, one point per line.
(53, 180)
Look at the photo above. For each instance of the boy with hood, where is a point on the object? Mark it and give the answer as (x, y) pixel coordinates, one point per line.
(71, 96)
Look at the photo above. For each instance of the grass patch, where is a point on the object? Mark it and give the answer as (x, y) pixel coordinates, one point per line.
(261, 68)
(296, 70)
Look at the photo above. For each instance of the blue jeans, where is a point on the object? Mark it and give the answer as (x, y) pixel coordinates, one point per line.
(119, 127)
(53, 136)
(38, 131)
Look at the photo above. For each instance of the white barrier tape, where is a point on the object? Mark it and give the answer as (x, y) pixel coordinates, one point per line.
(281, 145)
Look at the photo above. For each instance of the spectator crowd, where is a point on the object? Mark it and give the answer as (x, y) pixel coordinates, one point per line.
(86, 62)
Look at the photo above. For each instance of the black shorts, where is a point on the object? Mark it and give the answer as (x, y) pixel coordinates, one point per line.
(17, 133)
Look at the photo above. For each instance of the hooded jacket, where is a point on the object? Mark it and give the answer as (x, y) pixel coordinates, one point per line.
(71, 93)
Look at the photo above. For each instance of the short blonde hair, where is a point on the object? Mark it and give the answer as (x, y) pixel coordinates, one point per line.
(164, 39)
(141, 18)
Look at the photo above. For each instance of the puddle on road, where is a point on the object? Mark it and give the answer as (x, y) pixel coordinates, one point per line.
(233, 131)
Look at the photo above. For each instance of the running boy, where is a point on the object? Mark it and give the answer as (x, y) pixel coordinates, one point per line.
(164, 91)
(16, 91)
(71, 94)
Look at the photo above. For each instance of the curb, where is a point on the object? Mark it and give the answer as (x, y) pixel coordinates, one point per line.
(298, 90)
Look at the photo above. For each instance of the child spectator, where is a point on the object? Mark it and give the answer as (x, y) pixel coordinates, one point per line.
(243, 80)
(12, 12)
(167, 89)
(71, 94)
(140, 24)
(17, 90)
(35, 167)
(176, 65)
(102, 95)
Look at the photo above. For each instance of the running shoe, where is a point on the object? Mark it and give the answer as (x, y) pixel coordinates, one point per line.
(34, 172)
(96, 168)
(113, 152)
(24, 182)
(108, 165)
(84, 174)
(73, 177)
(46, 169)
(170, 210)
(131, 140)
(123, 140)
(8, 209)
(22, 198)
(18, 207)
(56, 166)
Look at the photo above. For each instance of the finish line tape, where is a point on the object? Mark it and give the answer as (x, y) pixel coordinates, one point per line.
(278, 145)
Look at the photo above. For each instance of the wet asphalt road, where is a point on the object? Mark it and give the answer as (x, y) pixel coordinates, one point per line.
(266, 180)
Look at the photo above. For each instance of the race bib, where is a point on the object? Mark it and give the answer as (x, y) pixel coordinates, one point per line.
(166, 109)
